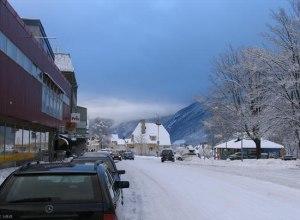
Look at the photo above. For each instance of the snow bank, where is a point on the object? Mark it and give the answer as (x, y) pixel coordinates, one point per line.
(252, 163)
(148, 157)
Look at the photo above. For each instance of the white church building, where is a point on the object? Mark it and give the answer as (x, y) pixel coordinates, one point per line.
(148, 138)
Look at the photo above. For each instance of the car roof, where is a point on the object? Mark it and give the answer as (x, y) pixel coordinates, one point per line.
(59, 168)
(95, 154)
(103, 158)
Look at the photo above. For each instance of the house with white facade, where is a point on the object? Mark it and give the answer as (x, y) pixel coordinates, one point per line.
(114, 139)
(148, 138)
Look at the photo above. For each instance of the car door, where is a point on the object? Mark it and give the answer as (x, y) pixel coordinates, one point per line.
(114, 193)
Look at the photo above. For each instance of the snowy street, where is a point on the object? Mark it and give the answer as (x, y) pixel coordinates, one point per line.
(190, 191)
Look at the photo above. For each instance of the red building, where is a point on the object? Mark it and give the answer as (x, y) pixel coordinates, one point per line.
(34, 95)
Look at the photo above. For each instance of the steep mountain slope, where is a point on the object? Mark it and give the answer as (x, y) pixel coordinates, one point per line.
(185, 124)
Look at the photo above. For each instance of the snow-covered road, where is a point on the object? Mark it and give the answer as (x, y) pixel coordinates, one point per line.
(176, 191)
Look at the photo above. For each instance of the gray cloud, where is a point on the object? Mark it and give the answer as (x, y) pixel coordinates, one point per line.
(121, 110)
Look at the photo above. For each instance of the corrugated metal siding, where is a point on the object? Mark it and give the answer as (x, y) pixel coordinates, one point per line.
(21, 95)
(19, 87)
(14, 28)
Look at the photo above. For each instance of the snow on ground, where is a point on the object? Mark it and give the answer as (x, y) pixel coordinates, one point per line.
(247, 163)
(196, 191)
(208, 189)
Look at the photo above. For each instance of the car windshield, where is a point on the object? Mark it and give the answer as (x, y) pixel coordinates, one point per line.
(56, 188)
(167, 152)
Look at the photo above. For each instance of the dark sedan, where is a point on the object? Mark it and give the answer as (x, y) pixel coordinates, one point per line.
(92, 157)
(128, 155)
(61, 191)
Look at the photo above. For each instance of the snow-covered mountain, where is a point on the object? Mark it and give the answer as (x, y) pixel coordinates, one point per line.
(186, 124)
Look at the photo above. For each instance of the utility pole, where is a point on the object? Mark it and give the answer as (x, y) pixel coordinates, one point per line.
(242, 153)
(158, 124)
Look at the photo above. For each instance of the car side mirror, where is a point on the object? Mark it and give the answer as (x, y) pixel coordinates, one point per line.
(121, 171)
(121, 184)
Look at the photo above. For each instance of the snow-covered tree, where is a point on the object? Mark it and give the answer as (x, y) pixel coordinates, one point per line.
(284, 80)
(100, 128)
(239, 99)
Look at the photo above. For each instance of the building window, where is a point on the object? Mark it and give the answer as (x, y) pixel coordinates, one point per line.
(52, 99)
(12, 51)
(2, 42)
(21, 144)
(152, 138)
(26, 140)
(9, 140)
(18, 147)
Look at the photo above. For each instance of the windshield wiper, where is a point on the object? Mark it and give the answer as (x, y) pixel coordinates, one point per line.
(42, 199)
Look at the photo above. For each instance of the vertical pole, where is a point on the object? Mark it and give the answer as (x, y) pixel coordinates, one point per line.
(22, 137)
(242, 149)
(158, 138)
(51, 146)
(4, 143)
(29, 141)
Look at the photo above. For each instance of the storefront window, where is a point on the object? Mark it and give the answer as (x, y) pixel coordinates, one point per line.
(9, 140)
(44, 142)
(26, 140)
(18, 146)
(38, 141)
(33, 142)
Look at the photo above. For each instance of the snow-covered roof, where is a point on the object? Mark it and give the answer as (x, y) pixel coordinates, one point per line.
(152, 131)
(179, 142)
(63, 62)
(115, 138)
(233, 144)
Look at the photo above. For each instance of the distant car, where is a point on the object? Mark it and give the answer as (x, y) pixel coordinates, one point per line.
(128, 155)
(274, 155)
(235, 156)
(167, 154)
(116, 156)
(289, 157)
(61, 191)
(179, 157)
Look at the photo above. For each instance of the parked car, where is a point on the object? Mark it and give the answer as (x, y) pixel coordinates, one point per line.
(289, 157)
(116, 156)
(235, 156)
(167, 154)
(61, 191)
(264, 156)
(92, 157)
(179, 157)
(274, 155)
(128, 155)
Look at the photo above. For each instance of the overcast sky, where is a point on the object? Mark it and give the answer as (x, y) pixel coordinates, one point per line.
(136, 58)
